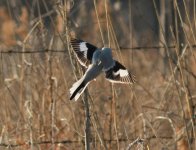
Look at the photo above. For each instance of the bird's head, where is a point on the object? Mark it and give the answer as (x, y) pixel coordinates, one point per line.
(106, 50)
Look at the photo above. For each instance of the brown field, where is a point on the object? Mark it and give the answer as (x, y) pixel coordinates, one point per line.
(155, 40)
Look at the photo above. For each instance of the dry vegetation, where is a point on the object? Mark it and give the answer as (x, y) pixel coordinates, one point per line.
(155, 39)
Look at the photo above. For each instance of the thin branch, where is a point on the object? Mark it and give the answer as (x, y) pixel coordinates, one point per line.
(87, 122)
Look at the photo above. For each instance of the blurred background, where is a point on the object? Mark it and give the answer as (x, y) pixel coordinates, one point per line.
(155, 40)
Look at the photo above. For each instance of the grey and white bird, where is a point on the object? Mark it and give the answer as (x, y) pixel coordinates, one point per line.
(97, 61)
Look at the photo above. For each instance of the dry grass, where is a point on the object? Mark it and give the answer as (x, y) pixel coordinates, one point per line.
(37, 68)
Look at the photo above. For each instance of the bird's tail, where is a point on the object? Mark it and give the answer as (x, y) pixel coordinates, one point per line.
(77, 89)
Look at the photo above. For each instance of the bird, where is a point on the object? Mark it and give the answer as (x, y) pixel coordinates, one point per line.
(97, 60)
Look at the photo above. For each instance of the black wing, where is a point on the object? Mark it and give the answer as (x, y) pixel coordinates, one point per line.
(84, 51)
(119, 74)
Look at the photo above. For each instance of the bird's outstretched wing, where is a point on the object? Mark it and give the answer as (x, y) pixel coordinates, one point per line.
(84, 51)
(119, 74)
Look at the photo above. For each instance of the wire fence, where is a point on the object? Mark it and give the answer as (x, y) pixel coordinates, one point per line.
(121, 48)
(135, 141)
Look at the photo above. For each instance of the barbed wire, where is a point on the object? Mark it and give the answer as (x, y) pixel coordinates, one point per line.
(153, 47)
(9, 51)
(73, 141)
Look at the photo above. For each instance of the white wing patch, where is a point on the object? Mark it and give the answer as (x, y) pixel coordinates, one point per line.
(122, 73)
(83, 48)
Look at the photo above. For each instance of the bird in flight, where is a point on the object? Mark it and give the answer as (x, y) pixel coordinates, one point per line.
(97, 60)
